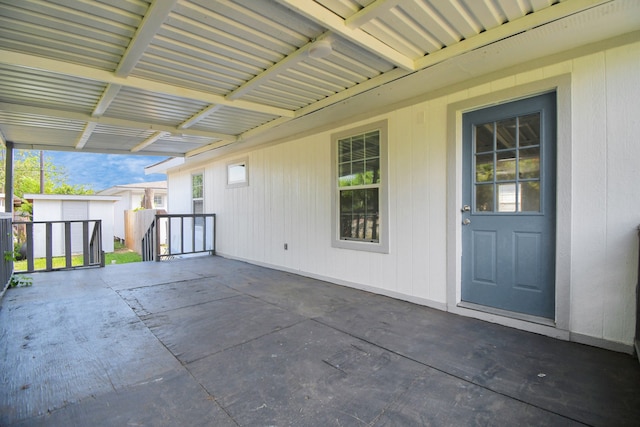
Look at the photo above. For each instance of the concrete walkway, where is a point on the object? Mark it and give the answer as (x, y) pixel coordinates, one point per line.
(215, 342)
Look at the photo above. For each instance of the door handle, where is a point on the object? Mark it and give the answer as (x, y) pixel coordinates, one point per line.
(466, 221)
(465, 208)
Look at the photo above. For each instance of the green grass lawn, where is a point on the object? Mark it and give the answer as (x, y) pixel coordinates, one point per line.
(121, 256)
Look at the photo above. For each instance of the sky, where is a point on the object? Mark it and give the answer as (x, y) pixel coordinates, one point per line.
(101, 171)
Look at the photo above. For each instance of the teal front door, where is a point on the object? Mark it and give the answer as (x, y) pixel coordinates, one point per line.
(509, 206)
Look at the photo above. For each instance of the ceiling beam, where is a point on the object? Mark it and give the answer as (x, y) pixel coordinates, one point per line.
(147, 142)
(106, 99)
(277, 68)
(89, 73)
(369, 13)
(206, 148)
(86, 134)
(154, 18)
(324, 17)
(111, 121)
(199, 116)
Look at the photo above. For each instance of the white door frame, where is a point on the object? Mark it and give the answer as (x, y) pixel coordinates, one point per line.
(560, 328)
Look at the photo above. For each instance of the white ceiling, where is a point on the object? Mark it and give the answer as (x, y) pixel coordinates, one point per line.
(184, 77)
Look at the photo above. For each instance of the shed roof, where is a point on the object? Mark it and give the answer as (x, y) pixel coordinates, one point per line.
(156, 185)
(184, 77)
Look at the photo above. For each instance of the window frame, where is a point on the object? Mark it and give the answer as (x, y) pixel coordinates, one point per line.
(161, 198)
(238, 183)
(382, 245)
(195, 199)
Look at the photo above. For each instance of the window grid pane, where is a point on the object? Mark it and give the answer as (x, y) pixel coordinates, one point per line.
(358, 187)
(507, 165)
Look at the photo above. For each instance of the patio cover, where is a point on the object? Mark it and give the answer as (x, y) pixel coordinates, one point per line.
(178, 78)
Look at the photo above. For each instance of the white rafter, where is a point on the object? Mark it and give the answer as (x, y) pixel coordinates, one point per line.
(155, 16)
(319, 14)
(86, 134)
(277, 68)
(201, 115)
(106, 99)
(370, 12)
(147, 142)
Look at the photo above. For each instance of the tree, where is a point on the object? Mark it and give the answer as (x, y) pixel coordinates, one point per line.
(26, 177)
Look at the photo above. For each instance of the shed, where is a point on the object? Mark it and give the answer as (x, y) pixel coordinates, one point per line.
(56, 207)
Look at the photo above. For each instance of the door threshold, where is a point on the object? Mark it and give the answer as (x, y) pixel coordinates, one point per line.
(506, 313)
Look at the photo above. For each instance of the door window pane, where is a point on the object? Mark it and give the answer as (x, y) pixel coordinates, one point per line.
(529, 130)
(529, 163)
(506, 165)
(484, 167)
(507, 197)
(506, 134)
(530, 196)
(484, 198)
(484, 138)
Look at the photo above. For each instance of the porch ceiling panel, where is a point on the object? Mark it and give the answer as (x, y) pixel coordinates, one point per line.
(232, 121)
(196, 75)
(91, 33)
(36, 88)
(105, 142)
(145, 106)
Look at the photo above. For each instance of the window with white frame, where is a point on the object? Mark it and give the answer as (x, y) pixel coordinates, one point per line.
(238, 173)
(197, 194)
(158, 200)
(360, 208)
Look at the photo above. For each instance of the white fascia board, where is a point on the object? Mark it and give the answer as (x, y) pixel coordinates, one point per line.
(81, 197)
(164, 166)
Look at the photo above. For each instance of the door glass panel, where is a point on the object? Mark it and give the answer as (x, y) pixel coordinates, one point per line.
(529, 163)
(506, 134)
(484, 198)
(506, 165)
(484, 167)
(529, 130)
(530, 196)
(484, 138)
(507, 197)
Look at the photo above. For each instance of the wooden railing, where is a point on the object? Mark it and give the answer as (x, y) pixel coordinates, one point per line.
(60, 239)
(6, 250)
(175, 235)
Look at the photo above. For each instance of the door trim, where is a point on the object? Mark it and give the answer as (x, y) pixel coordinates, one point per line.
(562, 86)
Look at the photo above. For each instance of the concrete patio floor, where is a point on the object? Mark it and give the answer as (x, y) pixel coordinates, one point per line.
(215, 342)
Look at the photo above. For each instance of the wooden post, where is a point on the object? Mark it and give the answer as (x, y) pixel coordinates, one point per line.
(8, 179)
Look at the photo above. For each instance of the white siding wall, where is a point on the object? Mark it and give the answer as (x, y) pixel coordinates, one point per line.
(288, 199)
(52, 210)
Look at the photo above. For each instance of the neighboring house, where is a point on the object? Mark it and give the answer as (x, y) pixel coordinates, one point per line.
(131, 198)
(17, 202)
(510, 196)
(58, 207)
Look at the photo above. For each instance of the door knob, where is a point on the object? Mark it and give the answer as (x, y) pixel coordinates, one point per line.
(466, 208)
(466, 221)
